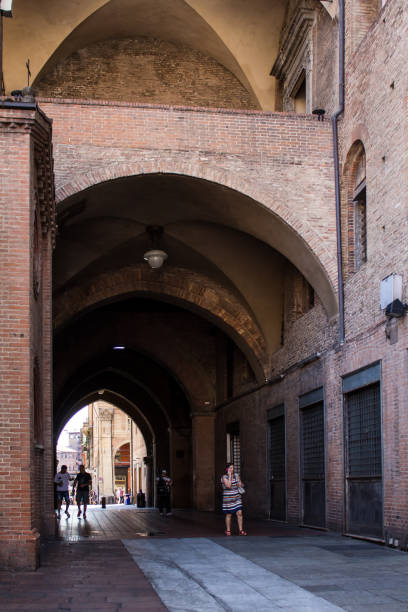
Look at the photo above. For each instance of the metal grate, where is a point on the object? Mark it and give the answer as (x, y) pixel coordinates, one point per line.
(364, 432)
(277, 447)
(235, 450)
(313, 442)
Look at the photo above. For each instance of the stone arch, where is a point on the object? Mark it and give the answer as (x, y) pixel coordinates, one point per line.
(313, 258)
(174, 283)
(118, 446)
(187, 372)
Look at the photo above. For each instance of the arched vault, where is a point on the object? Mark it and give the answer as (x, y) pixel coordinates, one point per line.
(216, 225)
(242, 36)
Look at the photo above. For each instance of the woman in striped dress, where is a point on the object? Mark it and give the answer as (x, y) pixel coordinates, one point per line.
(231, 499)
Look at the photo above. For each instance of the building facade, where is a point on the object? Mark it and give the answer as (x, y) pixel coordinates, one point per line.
(114, 452)
(71, 453)
(264, 150)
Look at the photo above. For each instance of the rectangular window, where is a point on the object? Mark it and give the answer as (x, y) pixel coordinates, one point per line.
(234, 446)
(299, 95)
(364, 432)
(360, 225)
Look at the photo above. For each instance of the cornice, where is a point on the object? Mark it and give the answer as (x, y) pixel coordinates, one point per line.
(293, 41)
(25, 121)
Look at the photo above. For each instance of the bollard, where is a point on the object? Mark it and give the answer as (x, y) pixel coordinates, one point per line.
(103, 502)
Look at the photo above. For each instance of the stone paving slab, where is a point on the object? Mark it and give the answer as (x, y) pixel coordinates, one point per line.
(197, 574)
(351, 574)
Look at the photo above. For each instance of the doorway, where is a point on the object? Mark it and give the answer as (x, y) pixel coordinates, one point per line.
(312, 454)
(364, 489)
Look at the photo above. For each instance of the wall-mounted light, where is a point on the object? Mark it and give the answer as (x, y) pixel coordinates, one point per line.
(119, 347)
(390, 290)
(155, 257)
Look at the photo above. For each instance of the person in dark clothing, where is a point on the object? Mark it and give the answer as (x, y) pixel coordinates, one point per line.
(83, 482)
(141, 499)
(163, 493)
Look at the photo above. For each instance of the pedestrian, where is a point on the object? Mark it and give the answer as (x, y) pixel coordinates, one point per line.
(141, 499)
(121, 495)
(62, 479)
(164, 484)
(231, 499)
(83, 482)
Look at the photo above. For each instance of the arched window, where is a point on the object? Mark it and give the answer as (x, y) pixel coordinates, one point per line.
(360, 213)
(355, 217)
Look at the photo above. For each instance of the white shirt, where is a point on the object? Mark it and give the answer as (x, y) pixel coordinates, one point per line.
(62, 481)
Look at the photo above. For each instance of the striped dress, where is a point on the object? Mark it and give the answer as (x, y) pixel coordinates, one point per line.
(231, 499)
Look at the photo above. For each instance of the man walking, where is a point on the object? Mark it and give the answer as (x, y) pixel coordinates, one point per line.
(163, 492)
(62, 479)
(83, 482)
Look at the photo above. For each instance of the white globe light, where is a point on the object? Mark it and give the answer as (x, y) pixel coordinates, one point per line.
(155, 258)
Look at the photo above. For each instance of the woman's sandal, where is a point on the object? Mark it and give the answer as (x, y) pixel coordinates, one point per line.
(242, 532)
(228, 533)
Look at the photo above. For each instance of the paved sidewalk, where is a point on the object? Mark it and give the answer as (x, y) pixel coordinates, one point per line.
(200, 574)
(355, 575)
(92, 576)
(325, 574)
(112, 562)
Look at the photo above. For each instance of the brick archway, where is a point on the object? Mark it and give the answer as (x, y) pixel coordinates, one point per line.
(321, 258)
(197, 291)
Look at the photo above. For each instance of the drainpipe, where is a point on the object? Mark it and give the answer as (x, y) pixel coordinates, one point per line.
(335, 119)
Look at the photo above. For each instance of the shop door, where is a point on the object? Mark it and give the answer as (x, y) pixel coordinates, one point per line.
(312, 466)
(277, 467)
(363, 462)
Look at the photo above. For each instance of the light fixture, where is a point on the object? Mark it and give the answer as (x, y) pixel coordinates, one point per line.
(118, 347)
(155, 257)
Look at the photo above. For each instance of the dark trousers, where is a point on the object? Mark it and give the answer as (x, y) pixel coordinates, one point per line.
(164, 503)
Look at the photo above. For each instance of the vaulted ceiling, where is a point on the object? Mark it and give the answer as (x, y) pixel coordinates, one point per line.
(242, 36)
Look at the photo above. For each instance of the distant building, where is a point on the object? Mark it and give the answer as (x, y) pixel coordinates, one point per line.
(114, 451)
(70, 455)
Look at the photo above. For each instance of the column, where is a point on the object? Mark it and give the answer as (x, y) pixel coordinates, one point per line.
(203, 461)
(27, 227)
(106, 466)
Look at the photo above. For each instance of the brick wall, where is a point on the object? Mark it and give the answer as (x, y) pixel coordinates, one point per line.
(21, 131)
(360, 16)
(325, 53)
(274, 158)
(376, 114)
(145, 70)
